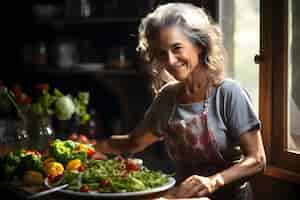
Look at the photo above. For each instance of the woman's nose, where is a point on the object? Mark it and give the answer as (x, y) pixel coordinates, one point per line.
(171, 58)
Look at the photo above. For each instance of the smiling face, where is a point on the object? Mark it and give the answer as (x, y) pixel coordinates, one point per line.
(176, 53)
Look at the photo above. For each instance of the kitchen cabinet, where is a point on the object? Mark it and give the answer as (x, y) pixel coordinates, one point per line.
(84, 45)
(93, 51)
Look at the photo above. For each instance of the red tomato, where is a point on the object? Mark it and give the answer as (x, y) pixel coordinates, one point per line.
(81, 168)
(83, 139)
(99, 158)
(104, 182)
(53, 179)
(34, 152)
(84, 188)
(73, 137)
(131, 166)
(90, 152)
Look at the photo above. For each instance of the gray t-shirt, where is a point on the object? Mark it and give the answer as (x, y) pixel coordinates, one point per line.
(230, 114)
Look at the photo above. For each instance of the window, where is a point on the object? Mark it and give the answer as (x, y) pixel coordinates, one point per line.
(239, 21)
(293, 142)
(270, 29)
(279, 96)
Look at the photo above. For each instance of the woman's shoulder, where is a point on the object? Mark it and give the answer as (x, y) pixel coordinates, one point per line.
(229, 86)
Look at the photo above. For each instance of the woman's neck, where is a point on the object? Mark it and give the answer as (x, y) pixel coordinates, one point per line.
(195, 88)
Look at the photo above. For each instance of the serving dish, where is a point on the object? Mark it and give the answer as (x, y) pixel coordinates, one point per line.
(171, 182)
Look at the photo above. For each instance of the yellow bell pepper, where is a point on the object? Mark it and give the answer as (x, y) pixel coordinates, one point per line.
(82, 147)
(48, 160)
(54, 169)
(74, 165)
(33, 177)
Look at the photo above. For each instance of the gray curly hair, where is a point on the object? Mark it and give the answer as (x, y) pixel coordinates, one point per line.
(196, 24)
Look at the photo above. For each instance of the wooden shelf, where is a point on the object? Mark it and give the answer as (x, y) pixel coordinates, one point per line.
(74, 71)
(78, 21)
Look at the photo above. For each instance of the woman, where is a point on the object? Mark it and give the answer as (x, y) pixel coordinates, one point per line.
(206, 121)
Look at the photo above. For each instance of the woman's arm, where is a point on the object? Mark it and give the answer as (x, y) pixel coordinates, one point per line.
(132, 143)
(253, 162)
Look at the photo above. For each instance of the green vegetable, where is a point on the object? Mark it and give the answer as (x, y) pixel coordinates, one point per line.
(17, 162)
(61, 150)
(64, 151)
(111, 175)
(81, 155)
(64, 108)
(69, 143)
(10, 164)
(73, 179)
(81, 103)
(31, 162)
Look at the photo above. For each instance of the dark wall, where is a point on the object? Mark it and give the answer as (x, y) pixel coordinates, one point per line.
(268, 188)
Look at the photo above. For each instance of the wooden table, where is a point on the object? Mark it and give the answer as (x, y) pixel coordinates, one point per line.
(21, 191)
(17, 190)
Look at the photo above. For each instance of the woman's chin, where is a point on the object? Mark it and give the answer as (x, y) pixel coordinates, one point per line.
(180, 76)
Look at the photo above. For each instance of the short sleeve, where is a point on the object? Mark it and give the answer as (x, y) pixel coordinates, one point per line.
(240, 116)
(157, 115)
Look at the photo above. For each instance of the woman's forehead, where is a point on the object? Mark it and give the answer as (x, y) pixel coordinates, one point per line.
(170, 36)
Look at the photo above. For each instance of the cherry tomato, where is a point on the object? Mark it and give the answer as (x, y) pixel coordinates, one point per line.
(80, 168)
(34, 152)
(90, 152)
(73, 137)
(131, 166)
(83, 139)
(105, 182)
(99, 158)
(53, 178)
(84, 188)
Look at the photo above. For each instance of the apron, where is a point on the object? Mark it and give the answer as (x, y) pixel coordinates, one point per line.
(194, 149)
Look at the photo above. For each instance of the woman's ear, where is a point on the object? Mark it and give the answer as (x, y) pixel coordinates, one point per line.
(203, 56)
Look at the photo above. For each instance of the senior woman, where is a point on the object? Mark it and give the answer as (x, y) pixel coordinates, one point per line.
(207, 121)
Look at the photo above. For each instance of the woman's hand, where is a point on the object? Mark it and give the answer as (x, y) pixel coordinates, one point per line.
(106, 147)
(99, 156)
(199, 186)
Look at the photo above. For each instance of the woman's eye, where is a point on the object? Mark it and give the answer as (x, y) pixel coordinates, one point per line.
(177, 48)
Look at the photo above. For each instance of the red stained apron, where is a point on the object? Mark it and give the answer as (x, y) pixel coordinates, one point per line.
(193, 147)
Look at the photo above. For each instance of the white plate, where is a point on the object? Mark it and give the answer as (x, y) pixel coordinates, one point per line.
(162, 188)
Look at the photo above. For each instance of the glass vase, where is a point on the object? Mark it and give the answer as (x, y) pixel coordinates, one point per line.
(40, 131)
(22, 139)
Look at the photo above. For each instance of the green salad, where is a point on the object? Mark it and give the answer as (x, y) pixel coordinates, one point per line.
(113, 175)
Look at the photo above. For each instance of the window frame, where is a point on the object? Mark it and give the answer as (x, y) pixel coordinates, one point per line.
(273, 97)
